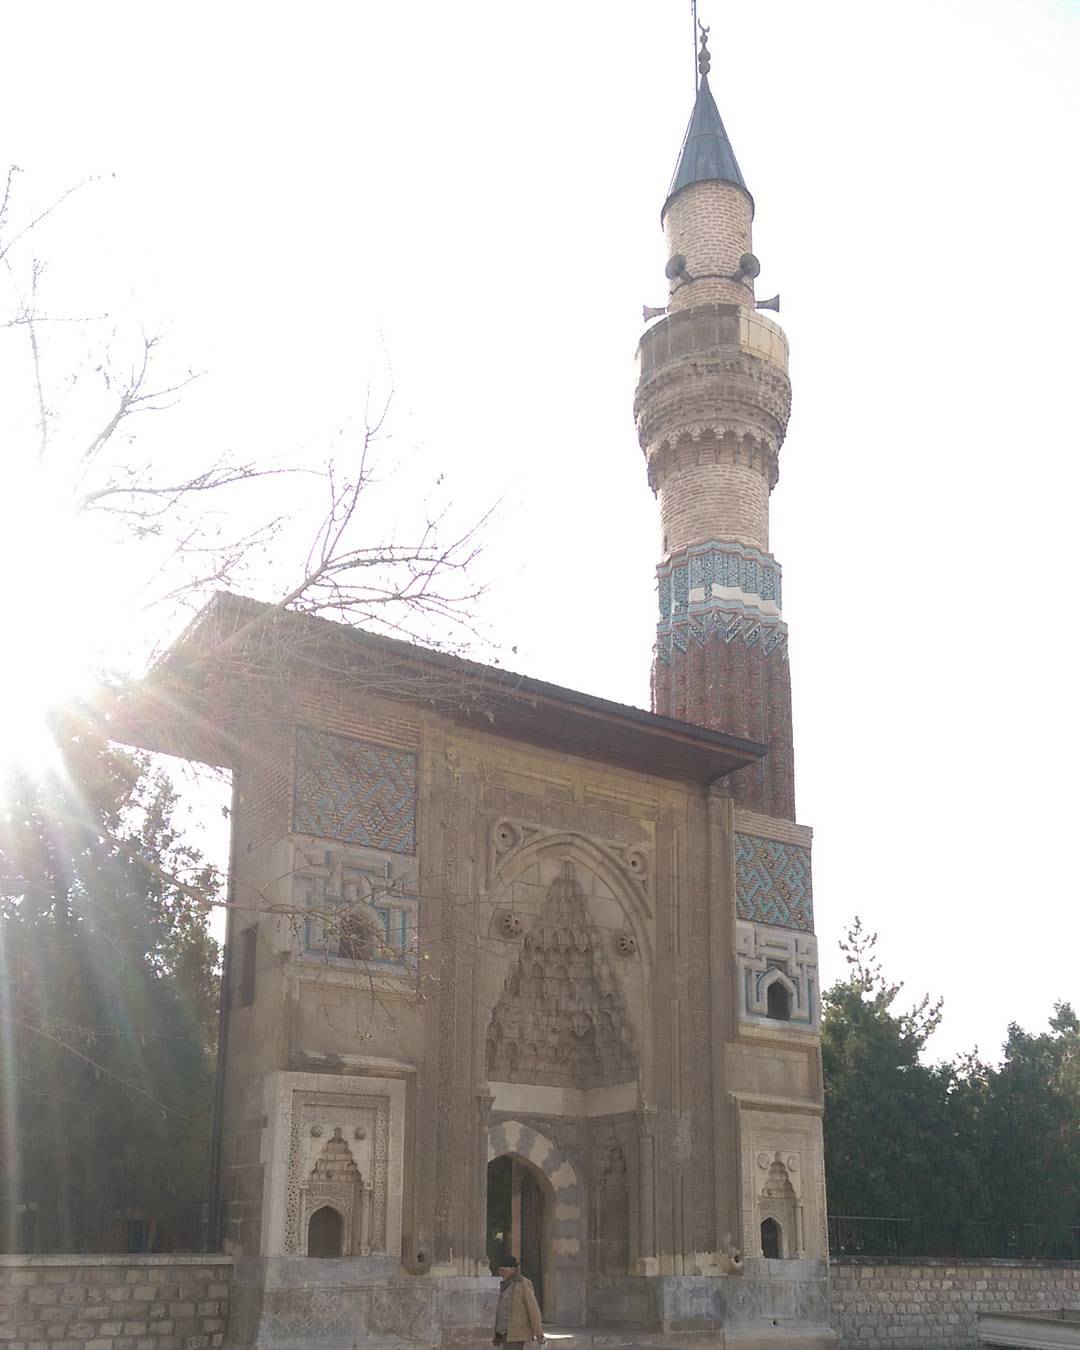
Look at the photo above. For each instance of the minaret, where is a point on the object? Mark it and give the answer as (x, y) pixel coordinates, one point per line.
(712, 406)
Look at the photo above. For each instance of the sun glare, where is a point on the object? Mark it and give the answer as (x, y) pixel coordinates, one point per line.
(54, 611)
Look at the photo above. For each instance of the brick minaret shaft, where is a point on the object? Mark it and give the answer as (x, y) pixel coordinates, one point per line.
(712, 407)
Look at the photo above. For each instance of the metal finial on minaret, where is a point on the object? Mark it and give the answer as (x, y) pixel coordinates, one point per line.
(704, 60)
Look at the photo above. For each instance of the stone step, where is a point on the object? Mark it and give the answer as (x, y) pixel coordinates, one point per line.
(607, 1338)
(626, 1338)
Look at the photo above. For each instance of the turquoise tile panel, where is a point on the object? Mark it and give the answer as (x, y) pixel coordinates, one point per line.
(354, 791)
(772, 882)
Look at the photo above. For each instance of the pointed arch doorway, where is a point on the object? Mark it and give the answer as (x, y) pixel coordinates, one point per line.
(517, 1217)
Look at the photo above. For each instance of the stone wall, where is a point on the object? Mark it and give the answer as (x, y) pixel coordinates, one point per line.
(114, 1302)
(933, 1304)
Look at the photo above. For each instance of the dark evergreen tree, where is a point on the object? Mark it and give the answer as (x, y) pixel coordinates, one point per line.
(1021, 1124)
(983, 1160)
(107, 1017)
(887, 1147)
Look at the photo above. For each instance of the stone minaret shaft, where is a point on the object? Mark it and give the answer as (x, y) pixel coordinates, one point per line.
(711, 408)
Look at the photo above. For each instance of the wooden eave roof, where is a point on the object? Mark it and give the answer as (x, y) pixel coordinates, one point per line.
(192, 703)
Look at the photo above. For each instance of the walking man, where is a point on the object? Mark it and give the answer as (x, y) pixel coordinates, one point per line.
(517, 1313)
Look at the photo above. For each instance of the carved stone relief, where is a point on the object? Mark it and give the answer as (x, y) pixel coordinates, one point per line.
(625, 944)
(507, 924)
(357, 904)
(766, 955)
(610, 1210)
(338, 1156)
(561, 1018)
(337, 1183)
(783, 1180)
(509, 837)
(778, 1202)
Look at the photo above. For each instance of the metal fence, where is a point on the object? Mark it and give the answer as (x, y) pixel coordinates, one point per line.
(885, 1239)
(129, 1225)
(82, 1223)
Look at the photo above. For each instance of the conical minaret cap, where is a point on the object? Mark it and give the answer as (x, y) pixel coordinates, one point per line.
(707, 156)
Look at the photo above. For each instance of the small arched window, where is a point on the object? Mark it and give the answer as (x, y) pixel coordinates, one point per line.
(770, 1239)
(326, 1229)
(249, 939)
(778, 1002)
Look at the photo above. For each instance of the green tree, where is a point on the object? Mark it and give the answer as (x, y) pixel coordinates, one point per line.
(973, 1150)
(888, 1149)
(107, 1019)
(1022, 1123)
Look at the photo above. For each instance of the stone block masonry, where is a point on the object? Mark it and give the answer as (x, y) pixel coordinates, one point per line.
(114, 1302)
(935, 1304)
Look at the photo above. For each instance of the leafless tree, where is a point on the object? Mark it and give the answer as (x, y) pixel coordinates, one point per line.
(413, 582)
(92, 402)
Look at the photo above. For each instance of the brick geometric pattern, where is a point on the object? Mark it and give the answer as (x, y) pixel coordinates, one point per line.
(740, 685)
(356, 792)
(772, 883)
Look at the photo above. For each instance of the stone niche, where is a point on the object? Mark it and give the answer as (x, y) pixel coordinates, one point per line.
(783, 1186)
(334, 1179)
(336, 1200)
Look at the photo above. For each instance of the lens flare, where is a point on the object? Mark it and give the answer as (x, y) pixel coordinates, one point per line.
(53, 630)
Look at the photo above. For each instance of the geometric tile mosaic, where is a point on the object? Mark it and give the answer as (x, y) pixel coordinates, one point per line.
(744, 607)
(724, 621)
(738, 568)
(772, 883)
(354, 791)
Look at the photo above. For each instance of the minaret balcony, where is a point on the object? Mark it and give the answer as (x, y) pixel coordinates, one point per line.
(707, 329)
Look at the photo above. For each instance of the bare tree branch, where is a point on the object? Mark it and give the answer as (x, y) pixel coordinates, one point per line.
(134, 398)
(31, 329)
(35, 221)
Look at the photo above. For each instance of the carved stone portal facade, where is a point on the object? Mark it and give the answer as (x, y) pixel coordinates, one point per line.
(548, 1025)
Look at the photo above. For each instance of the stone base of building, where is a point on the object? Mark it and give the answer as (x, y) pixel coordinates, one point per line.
(772, 1295)
(303, 1303)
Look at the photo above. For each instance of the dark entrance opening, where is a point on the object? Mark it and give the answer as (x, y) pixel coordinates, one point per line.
(516, 1218)
(770, 1239)
(325, 1231)
(778, 1002)
(500, 1224)
(532, 1233)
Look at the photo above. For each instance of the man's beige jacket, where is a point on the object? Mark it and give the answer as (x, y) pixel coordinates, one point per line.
(525, 1323)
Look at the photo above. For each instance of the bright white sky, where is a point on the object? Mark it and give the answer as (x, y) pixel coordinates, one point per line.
(473, 192)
